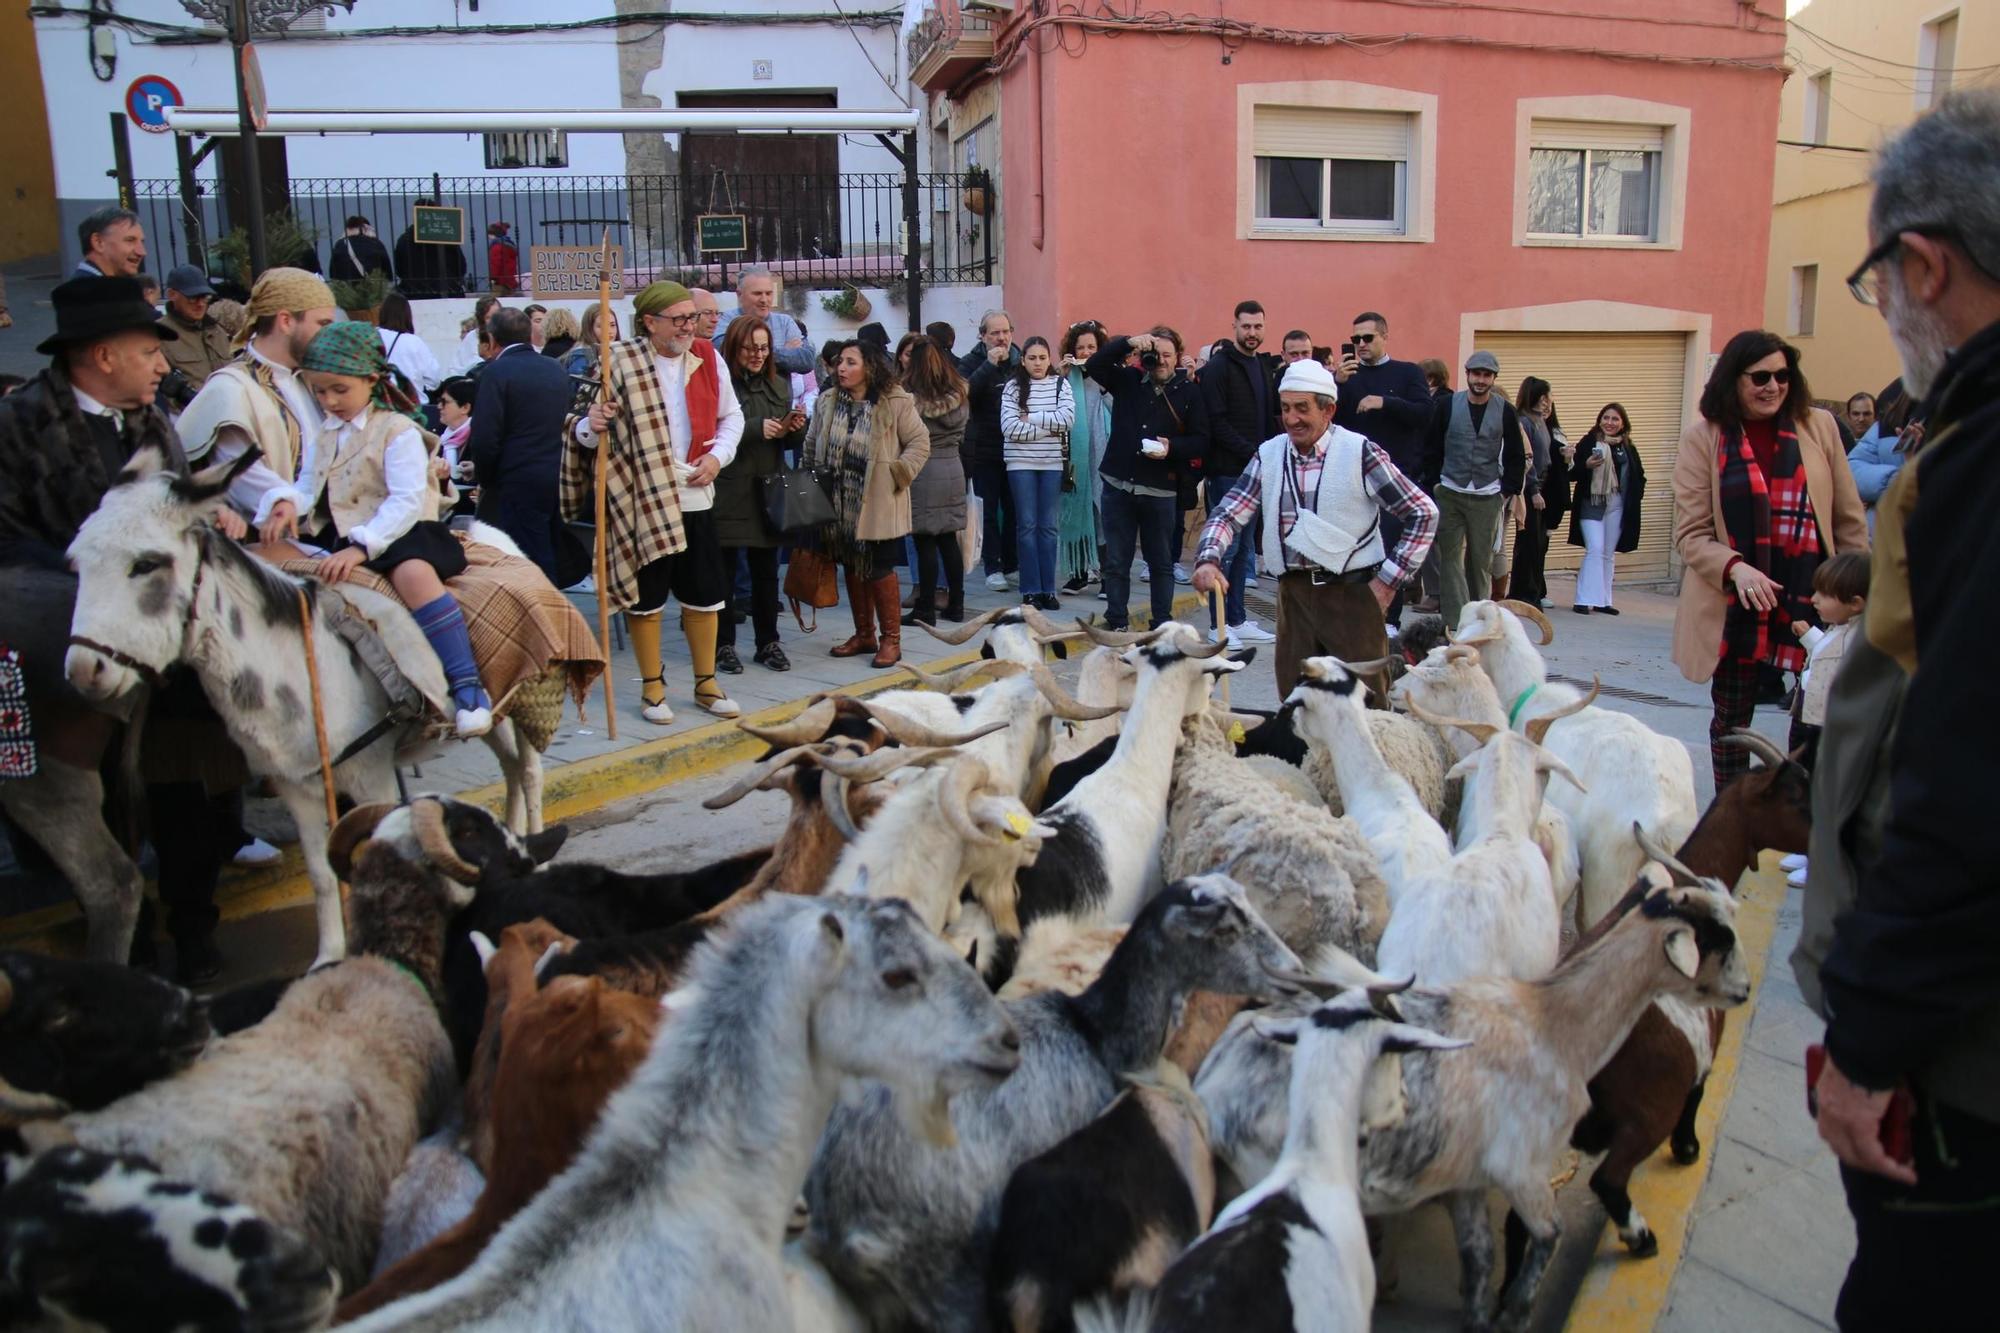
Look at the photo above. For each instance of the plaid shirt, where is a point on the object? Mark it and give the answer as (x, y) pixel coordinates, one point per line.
(1395, 492)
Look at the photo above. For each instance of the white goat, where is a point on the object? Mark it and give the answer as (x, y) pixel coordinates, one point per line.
(1633, 773)
(675, 1213)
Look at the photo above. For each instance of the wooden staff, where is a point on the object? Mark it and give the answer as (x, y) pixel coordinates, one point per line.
(319, 711)
(603, 568)
(1221, 632)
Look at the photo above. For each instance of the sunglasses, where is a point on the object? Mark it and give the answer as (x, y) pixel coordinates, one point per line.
(1364, 337)
(1760, 378)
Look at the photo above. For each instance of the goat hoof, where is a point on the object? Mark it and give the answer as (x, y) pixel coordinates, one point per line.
(1688, 1153)
(1644, 1245)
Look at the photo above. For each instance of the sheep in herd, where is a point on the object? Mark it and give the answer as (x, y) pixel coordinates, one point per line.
(565, 1050)
(674, 1214)
(906, 1227)
(1490, 911)
(1292, 1253)
(75, 1036)
(1105, 1211)
(1309, 873)
(1652, 1088)
(308, 1117)
(1450, 682)
(103, 1241)
(1496, 1118)
(1631, 772)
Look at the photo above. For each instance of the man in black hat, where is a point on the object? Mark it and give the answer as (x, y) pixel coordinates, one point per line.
(64, 438)
(202, 345)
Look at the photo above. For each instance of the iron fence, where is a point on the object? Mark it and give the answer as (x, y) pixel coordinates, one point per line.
(813, 230)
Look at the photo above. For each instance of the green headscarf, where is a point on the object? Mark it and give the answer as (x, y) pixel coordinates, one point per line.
(354, 347)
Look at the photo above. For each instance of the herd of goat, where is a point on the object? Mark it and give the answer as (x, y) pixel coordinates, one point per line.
(1112, 1009)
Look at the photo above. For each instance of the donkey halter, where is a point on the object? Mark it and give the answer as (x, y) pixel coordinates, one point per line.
(152, 675)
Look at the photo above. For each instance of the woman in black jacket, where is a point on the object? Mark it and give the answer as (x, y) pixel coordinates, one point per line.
(1610, 482)
(771, 427)
(1548, 496)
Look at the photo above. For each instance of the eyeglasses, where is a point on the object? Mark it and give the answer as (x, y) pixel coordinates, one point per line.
(1760, 378)
(1865, 286)
(1364, 337)
(679, 321)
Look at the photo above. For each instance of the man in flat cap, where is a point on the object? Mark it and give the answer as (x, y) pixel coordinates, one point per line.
(1475, 461)
(671, 423)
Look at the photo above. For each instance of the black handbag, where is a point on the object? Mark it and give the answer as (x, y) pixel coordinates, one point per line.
(794, 500)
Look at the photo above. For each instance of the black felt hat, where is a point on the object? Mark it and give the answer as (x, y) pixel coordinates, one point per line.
(91, 308)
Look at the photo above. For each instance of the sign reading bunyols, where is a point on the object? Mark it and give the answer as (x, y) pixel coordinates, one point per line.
(572, 270)
(723, 232)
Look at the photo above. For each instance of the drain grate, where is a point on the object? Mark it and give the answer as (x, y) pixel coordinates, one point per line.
(1631, 696)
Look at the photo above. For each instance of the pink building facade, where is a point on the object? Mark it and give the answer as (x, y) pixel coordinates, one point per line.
(1581, 186)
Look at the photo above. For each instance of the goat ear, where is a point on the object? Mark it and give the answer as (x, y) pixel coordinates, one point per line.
(1403, 1037)
(1548, 763)
(146, 460)
(1682, 952)
(484, 948)
(1464, 768)
(543, 846)
(1284, 1031)
(1060, 649)
(1243, 658)
(828, 944)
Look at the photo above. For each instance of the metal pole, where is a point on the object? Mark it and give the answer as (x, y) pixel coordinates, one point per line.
(253, 172)
(121, 156)
(912, 236)
(190, 203)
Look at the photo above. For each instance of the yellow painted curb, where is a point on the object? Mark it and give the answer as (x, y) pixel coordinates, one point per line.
(1626, 1295)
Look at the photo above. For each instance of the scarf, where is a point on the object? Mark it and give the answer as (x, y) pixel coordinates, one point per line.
(1076, 521)
(1770, 523)
(352, 347)
(1606, 481)
(850, 442)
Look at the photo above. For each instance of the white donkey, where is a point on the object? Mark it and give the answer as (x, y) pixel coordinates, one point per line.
(158, 585)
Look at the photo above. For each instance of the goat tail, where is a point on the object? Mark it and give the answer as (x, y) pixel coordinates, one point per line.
(488, 535)
(1132, 1313)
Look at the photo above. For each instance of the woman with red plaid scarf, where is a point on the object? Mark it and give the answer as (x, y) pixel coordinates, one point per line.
(1762, 495)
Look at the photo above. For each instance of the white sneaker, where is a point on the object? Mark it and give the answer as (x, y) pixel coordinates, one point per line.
(256, 852)
(1182, 576)
(1145, 572)
(997, 582)
(1791, 861)
(1251, 582)
(474, 722)
(586, 585)
(1252, 632)
(1797, 879)
(1234, 640)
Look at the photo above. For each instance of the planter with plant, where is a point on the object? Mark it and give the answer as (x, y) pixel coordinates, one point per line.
(361, 298)
(286, 242)
(847, 303)
(977, 184)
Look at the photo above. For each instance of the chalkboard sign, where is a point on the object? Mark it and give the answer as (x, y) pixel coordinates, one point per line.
(722, 232)
(439, 224)
(572, 270)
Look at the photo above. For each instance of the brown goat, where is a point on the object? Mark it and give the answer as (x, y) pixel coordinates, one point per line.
(565, 1049)
(510, 976)
(1652, 1088)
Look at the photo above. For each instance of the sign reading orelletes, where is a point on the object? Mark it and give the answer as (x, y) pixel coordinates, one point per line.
(572, 270)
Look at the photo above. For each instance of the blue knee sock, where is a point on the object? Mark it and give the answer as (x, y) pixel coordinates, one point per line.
(444, 625)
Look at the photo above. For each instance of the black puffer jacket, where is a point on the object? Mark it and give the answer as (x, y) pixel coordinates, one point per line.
(984, 382)
(1229, 391)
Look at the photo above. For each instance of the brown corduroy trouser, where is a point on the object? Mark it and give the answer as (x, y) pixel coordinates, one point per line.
(1328, 619)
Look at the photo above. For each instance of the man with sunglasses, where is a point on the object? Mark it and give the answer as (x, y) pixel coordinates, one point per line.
(1389, 402)
(1902, 910)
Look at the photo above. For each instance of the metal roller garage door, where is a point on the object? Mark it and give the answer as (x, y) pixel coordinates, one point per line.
(1647, 373)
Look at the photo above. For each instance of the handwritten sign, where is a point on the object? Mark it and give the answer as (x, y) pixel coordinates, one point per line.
(572, 270)
(438, 224)
(723, 232)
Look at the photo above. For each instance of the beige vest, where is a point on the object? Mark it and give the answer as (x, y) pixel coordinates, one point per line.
(356, 483)
(233, 397)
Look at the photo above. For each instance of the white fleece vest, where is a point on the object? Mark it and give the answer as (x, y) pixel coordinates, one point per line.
(1344, 500)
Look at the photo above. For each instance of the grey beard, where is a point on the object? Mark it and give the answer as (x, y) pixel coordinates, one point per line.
(1922, 344)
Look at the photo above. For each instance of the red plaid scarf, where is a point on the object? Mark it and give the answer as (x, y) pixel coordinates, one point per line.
(1770, 522)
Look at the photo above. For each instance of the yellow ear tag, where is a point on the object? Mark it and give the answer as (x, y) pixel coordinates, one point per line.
(1018, 823)
(1236, 733)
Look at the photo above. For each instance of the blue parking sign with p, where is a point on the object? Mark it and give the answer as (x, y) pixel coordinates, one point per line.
(147, 100)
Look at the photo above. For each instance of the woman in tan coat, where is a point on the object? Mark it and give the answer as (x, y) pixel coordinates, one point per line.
(867, 444)
(1762, 495)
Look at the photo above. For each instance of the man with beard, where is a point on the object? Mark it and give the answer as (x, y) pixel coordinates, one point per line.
(1239, 386)
(1902, 912)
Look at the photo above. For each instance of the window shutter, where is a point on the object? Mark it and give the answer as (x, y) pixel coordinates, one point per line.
(1297, 131)
(1599, 135)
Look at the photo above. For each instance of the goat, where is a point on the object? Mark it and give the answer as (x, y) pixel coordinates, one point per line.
(1292, 1253)
(1496, 1118)
(1491, 911)
(905, 1228)
(675, 1211)
(76, 1036)
(158, 586)
(1412, 750)
(566, 1050)
(104, 1241)
(513, 973)
(308, 1116)
(1652, 1088)
(1103, 1212)
(1630, 771)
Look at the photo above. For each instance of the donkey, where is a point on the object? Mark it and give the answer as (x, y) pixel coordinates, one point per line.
(158, 585)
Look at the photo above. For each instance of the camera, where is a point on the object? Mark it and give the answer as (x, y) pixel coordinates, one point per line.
(177, 390)
(1150, 358)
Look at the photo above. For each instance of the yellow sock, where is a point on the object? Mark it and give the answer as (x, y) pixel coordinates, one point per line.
(700, 628)
(645, 633)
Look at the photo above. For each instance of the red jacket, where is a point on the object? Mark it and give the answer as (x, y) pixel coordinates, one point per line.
(503, 261)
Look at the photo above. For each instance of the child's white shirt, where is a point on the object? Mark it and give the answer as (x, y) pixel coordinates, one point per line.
(405, 471)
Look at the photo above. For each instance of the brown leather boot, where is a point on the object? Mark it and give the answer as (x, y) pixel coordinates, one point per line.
(888, 606)
(861, 598)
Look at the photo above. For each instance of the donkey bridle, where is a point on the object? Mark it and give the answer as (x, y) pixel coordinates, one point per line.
(152, 675)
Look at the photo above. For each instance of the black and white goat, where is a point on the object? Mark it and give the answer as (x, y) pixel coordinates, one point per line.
(75, 1036)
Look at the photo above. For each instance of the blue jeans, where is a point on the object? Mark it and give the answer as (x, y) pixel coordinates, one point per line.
(1153, 521)
(1236, 560)
(996, 504)
(1037, 505)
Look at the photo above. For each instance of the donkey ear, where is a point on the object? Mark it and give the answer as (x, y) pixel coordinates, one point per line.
(205, 485)
(146, 460)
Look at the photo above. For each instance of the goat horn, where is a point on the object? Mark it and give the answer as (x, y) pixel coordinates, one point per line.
(482, 946)
(1533, 614)
(1683, 877)
(1032, 617)
(1060, 636)
(353, 829)
(833, 789)
(755, 778)
(1369, 667)
(1469, 640)
(954, 798)
(906, 731)
(427, 819)
(1201, 652)
(1461, 652)
(874, 767)
(1758, 744)
(804, 729)
(1538, 727)
(1062, 703)
(1112, 638)
(968, 629)
(1479, 731)
(948, 682)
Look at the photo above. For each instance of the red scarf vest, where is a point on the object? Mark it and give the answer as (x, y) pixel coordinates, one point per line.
(704, 397)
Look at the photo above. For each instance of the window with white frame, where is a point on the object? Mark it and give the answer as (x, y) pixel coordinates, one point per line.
(1325, 169)
(1805, 299)
(1937, 56)
(1594, 181)
(527, 148)
(1819, 103)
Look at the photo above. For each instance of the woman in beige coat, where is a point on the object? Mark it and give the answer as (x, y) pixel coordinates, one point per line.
(867, 444)
(1762, 495)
